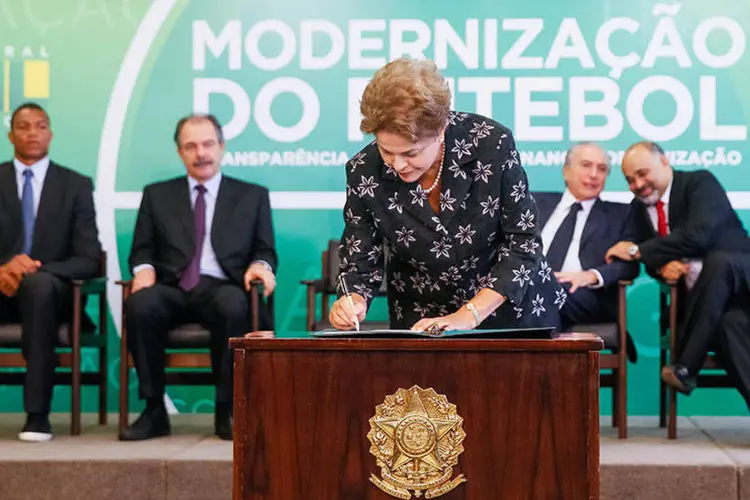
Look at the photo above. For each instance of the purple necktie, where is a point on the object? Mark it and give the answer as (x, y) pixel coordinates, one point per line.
(192, 274)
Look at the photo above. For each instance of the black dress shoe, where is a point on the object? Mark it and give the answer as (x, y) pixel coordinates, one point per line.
(679, 377)
(223, 423)
(153, 422)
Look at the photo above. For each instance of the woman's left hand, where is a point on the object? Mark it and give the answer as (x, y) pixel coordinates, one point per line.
(459, 320)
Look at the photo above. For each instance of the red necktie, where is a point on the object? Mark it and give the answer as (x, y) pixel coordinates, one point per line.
(661, 219)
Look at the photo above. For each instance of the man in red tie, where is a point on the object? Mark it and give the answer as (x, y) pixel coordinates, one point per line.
(688, 231)
(199, 241)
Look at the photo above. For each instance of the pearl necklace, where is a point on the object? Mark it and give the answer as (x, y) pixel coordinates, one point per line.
(440, 170)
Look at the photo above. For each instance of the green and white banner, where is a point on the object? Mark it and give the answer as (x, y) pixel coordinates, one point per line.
(285, 80)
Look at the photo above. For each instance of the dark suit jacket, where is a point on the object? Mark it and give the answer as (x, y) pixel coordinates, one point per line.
(701, 219)
(241, 232)
(607, 224)
(66, 239)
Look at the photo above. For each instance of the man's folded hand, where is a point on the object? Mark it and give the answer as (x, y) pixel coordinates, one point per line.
(13, 272)
(9, 282)
(23, 264)
(674, 270)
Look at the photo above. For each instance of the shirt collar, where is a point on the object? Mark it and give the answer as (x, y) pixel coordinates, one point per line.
(568, 200)
(38, 169)
(211, 185)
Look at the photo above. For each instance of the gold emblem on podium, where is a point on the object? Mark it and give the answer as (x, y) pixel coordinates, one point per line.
(416, 437)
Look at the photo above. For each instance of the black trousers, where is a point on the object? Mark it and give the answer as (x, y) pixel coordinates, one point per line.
(716, 317)
(591, 306)
(42, 304)
(587, 306)
(219, 306)
(733, 348)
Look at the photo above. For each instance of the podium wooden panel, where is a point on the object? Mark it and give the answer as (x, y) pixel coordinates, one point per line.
(302, 410)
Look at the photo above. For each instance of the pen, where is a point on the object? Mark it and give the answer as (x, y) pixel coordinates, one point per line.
(345, 289)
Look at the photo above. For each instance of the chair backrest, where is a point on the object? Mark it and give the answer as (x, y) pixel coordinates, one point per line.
(331, 266)
(103, 264)
(332, 262)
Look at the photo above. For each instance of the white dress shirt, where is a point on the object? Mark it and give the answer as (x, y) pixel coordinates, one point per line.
(39, 172)
(695, 266)
(572, 261)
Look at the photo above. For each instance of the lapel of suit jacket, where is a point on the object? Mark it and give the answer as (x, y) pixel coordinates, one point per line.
(546, 204)
(50, 205)
(643, 224)
(11, 203)
(676, 197)
(596, 220)
(222, 211)
(183, 211)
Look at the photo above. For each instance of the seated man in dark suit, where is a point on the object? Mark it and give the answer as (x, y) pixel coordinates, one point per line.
(198, 243)
(687, 229)
(48, 237)
(577, 230)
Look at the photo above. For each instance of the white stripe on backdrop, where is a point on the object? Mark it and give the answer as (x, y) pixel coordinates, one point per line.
(327, 200)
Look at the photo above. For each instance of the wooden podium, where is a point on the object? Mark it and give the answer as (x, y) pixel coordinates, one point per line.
(302, 409)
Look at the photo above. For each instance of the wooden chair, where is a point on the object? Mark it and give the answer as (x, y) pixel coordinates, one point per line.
(614, 363)
(72, 338)
(325, 286)
(190, 338)
(672, 313)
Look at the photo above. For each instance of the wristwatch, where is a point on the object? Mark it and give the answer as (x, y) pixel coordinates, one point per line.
(474, 311)
(633, 250)
(264, 264)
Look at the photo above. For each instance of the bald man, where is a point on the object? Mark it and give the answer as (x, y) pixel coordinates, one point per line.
(688, 231)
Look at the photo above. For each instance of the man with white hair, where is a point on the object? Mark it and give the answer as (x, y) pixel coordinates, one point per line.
(578, 229)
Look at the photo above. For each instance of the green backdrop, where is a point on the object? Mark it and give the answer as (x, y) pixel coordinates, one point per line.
(285, 77)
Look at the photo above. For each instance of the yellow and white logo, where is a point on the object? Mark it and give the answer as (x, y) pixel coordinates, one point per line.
(26, 77)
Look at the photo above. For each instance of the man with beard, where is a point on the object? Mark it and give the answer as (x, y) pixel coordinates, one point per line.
(199, 241)
(688, 230)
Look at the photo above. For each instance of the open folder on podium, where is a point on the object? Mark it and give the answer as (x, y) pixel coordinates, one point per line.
(503, 333)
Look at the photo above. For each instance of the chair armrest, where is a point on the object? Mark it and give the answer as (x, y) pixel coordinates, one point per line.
(666, 286)
(126, 287)
(125, 284)
(318, 285)
(256, 291)
(256, 294)
(256, 286)
(622, 307)
(91, 286)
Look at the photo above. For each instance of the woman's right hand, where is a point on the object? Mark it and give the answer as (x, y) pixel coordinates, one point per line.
(342, 316)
